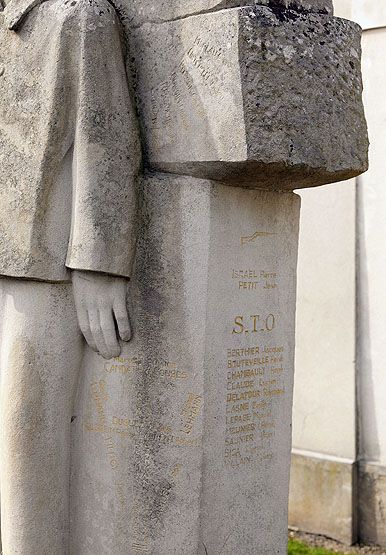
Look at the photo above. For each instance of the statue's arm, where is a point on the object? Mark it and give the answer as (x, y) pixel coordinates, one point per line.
(106, 163)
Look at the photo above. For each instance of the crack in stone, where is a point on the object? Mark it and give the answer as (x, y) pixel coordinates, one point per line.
(274, 5)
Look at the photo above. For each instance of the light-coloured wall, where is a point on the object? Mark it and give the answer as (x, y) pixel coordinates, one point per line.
(325, 424)
(324, 406)
(368, 13)
(372, 259)
(324, 468)
(323, 472)
(343, 8)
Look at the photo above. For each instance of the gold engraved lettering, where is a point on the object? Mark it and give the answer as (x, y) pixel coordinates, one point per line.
(248, 285)
(274, 349)
(246, 395)
(252, 238)
(190, 412)
(238, 418)
(247, 351)
(241, 407)
(239, 326)
(242, 429)
(229, 441)
(245, 274)
(252, 279)
(176, 470)
(239, 385)
(253, 391)
(122, 365)
(257, 322)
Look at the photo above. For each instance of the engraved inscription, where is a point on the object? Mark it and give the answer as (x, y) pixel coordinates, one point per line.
(254, 323)
(254, 386)
(252, 238)
(190, 412)
(253, 279)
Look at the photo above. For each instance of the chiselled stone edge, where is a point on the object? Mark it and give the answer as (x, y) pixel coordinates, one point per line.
(323, 494)
(130, 22)
(254, 174)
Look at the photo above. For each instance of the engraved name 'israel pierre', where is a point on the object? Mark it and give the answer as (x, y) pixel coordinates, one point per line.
(69, 156)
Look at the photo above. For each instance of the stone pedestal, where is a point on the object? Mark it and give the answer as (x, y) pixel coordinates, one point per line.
(182, 445)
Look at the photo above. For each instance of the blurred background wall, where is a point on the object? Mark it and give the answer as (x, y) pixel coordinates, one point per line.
(338, 485)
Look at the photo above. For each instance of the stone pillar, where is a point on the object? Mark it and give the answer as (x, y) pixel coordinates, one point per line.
(182, 445)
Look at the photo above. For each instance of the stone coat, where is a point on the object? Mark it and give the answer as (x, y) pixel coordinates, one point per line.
(69, 146)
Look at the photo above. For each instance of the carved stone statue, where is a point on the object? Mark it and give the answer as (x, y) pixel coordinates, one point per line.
(69, 156)
(178, 441)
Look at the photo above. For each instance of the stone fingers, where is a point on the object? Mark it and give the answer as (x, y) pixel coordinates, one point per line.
(97, 333)
(84, 324)
(109, 332)
(123, 322)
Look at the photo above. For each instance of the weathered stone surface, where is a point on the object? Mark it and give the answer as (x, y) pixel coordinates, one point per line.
(253, 98)
(186, 437)
(41, 354)
(323, 494)
(57, 115)
(136, 12)
(371, 501)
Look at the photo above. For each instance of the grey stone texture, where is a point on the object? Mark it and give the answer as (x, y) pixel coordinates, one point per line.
(182, 444)
(371, 502)
(136, 12)
(253, 96)
(69, 141)
(323, 491)
(41, 354)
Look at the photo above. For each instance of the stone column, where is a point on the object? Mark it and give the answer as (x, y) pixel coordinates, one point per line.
(182, 445)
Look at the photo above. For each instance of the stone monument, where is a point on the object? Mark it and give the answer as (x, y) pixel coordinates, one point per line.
(179, 440)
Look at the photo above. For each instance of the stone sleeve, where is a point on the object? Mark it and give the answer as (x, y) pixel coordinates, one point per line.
(106, 149)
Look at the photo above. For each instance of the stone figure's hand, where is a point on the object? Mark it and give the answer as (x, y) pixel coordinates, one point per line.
(102, 312)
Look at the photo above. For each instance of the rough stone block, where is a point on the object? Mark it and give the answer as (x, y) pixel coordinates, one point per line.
(252, 97)
(323, 495)
(136, 12)
(372, 500)
(182, 445)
